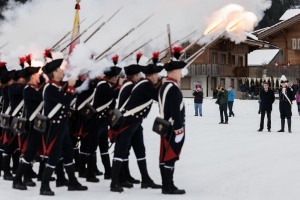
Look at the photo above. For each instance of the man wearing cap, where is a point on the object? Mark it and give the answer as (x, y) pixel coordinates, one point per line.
(124, 134)
(3, 71)
(58, 143)
(172, 109)
(33, 104)
(286, 97)
(136, 109)
(10, 141)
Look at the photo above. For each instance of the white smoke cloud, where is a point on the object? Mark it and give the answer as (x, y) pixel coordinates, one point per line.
(37, 25)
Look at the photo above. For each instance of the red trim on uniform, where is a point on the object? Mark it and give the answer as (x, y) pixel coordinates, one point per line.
(5, 140)
(55, 82)
(171, 79)
(169, 153)
(33, 85)
(45, 149)
(24, 146)
(178, 132)
(71, 90)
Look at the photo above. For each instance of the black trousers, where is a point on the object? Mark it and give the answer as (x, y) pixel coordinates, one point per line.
(123, 142)
(34, 144)
(62, 145)
(223, 110)
(103, 138)
(262, 118)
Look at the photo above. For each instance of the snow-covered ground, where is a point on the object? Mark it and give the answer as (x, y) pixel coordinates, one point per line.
(218, 162)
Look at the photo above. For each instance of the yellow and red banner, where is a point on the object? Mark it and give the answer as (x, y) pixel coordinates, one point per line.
(76, 28)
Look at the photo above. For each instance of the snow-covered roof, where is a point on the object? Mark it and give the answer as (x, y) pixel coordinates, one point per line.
(261, 57)
(289, 14)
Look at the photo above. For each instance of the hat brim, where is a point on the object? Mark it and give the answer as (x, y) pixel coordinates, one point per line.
(173, 65)
(152, 69)
(52, 66)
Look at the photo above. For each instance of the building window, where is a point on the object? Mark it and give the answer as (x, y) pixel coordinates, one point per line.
(214, 58)
(233, 59)
(232, 83)
(222, 82)
(186, 83)
(223, 59)
(241, 61)
(213, 83)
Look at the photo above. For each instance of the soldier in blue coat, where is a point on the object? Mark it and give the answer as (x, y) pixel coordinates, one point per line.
(172, 109)
(286, 97)
(57, 139)
(33, 102)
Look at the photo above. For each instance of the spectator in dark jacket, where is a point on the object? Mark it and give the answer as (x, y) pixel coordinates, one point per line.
(198, 100)
(295, 87)
(252, 91)
(267, 98)
(243, 89)
(223, 101)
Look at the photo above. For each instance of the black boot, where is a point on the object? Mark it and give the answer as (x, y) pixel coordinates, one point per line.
(60, 175)
(77, 159)
(1, 162)
(115, 172)
(289, 121)
(6, 168)
(128, 175)
(74, 185)
(123, 178)
(169, 187)
(96, 170)
(41, 170)
(45, 187)
(146, 180)
(282, 125)
(21, 171)
(82, 168)
(27, 178)
(106, 163)
(16, 160)
(90, 175)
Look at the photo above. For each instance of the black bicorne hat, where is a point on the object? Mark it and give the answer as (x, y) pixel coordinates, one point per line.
(52, 66)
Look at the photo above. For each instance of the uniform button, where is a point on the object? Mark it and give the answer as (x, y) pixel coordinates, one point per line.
(60, 117)
(62, 112)
(102, 113)
(137, 116)
(145, 110)
(63, 107)
(58, 121)
(141, 113)
(53, 121)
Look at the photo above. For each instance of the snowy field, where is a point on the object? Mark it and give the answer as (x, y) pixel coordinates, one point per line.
(218, 161)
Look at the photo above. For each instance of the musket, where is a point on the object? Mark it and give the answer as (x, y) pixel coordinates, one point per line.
(4, 45)
(169, 39)
(81, 34)
(200, 38)
(119, 40)
(99, 27)
(68, 33)
(177, 41)
(143, 45)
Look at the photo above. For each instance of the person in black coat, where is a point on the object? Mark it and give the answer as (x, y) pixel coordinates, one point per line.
(57, 100)
(33, 102)
(267, 98)
(286, 97)
(198, 100)
(172, 109)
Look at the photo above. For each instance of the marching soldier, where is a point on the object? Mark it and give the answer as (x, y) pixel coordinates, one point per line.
(124, 134)
(57, 141)
(286, 97)
(33, 104)
(3, 70)
(105, 101)
(136, 109)
(172, 110)
(10, 141)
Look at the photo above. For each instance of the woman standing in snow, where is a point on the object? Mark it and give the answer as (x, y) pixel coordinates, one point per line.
(298, 100)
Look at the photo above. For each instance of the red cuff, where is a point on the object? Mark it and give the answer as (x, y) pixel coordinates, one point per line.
(71, 90)
(179, 131)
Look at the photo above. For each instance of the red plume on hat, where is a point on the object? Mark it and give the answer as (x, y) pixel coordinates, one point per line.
(28, 59)
(77, 6)
(22, 61)
(115, 59)
(177, 52)
(47, 53)
(2, 64)
(155, 57)
(138, 57)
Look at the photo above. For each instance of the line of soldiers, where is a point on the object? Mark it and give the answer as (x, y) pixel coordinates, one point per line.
(48, 122)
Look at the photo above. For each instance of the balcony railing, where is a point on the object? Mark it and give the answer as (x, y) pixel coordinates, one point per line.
(218, 70)
(233, 71)
(275, 71)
